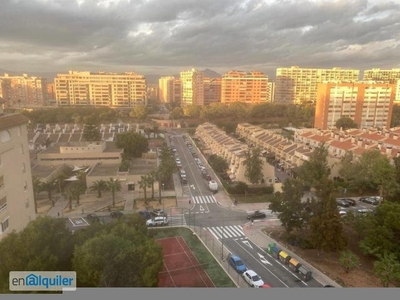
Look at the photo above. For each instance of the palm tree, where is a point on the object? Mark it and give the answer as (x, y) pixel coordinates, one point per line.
(69, 193)
(158, 177)
(37, 188)
(151, 179)
(78, 188)
(143, 185)
(98, 186)
(113, 186)
(48, 187)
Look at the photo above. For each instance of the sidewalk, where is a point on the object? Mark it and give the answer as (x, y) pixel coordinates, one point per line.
(57, 210)
(255, 234)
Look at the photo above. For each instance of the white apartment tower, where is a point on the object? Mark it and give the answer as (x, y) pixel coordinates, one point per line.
(17, 206)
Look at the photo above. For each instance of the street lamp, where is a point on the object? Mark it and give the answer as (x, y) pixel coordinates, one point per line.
(162, 197)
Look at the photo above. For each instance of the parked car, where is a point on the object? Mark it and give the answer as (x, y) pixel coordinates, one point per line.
(157, 212)
(343, 203)
(116, 214)
(348, 200)
(363, 211)
(145, 214)
(342, 213)
(236, 263)
(369, 200)
(252, 278)
(256, 215)
(157, 221)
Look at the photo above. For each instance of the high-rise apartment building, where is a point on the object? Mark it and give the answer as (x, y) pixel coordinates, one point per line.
(387, 76)
(297, 85)
(212, 90)
(247, 87)
(192, 87)
(20, 91)
(166, 87)
(51, 94)
(368, 104)
(17, 206)
(271, 92)
(100, 89)
(177, 98)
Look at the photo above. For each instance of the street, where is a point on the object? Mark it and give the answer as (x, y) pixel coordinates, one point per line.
(226, 225)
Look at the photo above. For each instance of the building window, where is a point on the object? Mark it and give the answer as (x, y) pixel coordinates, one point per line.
(21, 149)
(1, 182)
(3, 203)
(19, 130)
(27, 203)
(25, 186)
(4, 225)
(23, 168)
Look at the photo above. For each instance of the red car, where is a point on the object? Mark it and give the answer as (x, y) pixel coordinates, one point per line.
(265, 286)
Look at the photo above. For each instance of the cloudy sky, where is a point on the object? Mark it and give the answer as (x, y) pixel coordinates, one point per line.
(166, 36)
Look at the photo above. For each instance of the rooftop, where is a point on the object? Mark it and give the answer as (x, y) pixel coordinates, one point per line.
(41, 171)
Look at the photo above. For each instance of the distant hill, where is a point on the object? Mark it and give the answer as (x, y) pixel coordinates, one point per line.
(211, 73)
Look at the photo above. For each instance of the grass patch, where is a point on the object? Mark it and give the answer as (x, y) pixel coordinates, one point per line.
(213, 269)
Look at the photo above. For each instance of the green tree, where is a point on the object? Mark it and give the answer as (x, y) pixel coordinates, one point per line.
(218, 163)
(346, 123)
(133, 144)
(254, 166)
(45, 244)
(91, 131)
(69, 194)
(98, 186)
(387, 267)
(113, 186)
(139, 112)
(151, 179)
(326, 224)
(121, 258)
(177, 113)
(315, 171)
(48, 187)
(348, 260)
(289, 206)
(346, 167)
(192, 111)
(143, 183)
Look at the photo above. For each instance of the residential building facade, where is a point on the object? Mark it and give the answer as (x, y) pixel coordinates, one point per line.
(166, 87)
(247, 87)
(100, 89)
(386, 76)
(17, 206)
(297, 85)
(368, 104)
(212, 90)
(23, 91)
(192, 87)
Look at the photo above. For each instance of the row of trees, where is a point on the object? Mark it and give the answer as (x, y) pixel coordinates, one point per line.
(243, 111)
(117, 254)
(316, 222)
(112, 186)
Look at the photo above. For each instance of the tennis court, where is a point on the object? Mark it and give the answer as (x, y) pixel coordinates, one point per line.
(181, 268)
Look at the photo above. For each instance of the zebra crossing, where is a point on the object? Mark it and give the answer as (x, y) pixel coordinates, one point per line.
(234, 231)
(177, 220)
(203, 199)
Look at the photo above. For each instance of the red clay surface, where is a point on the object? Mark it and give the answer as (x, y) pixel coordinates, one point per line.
(181, 268)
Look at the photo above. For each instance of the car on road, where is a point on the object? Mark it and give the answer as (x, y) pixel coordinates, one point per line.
(342, 203)
(256, 215)
(116, 214)
(157, 221)
(236, 263)
(252, 278)
(369, 200)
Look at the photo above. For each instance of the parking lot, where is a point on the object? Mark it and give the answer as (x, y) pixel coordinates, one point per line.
(358, 207)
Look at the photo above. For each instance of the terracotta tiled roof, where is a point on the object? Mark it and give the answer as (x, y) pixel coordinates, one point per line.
(373, 136)
(12, 120)
(390, 141)
(64, 137)
(306, 134)
(321, 138)
(343, 145)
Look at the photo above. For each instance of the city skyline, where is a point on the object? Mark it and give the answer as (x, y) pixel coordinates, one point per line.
(162, 37)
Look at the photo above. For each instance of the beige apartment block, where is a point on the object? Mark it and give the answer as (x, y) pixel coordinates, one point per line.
(192, 86)
(17, 206)
(166, 87)
(369, 104)
(297, 85)
(81, 153)
(247, 87)
(387, 76)
(23, 91)
(100, 89)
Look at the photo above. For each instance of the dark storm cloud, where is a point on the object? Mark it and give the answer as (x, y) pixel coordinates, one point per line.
(160, 35)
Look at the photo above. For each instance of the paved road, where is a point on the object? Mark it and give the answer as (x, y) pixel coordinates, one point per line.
(227, 225)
